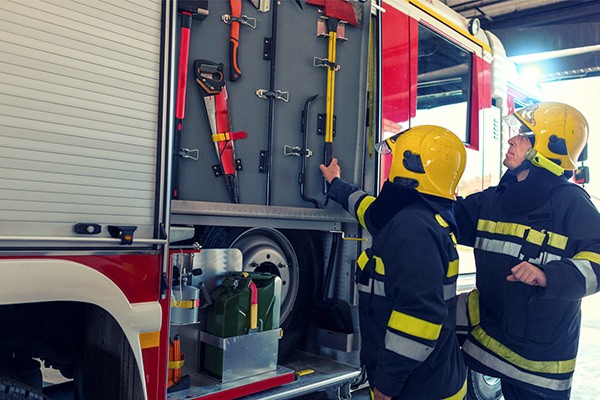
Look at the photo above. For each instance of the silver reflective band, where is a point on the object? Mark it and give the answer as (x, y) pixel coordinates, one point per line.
(585, 268)
(507, 369)
(498, 246)
(378, 287)
(450, 291)
(352, 200)
(511, 249)
(407, 347)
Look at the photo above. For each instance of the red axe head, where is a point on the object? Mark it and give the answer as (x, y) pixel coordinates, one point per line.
(343, 10)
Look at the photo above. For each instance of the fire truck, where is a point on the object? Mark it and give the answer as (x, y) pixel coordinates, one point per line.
(164, 228)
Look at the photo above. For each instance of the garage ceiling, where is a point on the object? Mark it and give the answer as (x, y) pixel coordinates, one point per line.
(559, 37)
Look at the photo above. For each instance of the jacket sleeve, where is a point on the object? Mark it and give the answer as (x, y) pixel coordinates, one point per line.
(354, 200)
(578, 275)
(466, 211)
(414, 279)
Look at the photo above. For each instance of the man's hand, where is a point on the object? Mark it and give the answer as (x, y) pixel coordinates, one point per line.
(331, 171)
(528, 274)
(380, 396)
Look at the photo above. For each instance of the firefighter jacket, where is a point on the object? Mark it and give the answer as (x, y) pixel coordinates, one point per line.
(528, 335)
(407, 292)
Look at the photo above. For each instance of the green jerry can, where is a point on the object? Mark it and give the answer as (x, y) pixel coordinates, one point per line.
(245, 304)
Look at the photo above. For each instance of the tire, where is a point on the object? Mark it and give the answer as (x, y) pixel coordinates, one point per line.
(483, 387)
(292, 255)
(12, 389)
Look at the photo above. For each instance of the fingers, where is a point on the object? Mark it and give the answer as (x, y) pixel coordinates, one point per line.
(528, 274)
(331, 171)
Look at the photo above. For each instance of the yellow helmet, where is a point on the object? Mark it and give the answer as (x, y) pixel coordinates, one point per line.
(431, 158)
(560, 131)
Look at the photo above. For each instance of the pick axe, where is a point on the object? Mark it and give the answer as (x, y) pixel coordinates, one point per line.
(336, 14)
(188, 9)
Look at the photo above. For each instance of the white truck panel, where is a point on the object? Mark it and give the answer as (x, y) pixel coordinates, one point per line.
(79, 108)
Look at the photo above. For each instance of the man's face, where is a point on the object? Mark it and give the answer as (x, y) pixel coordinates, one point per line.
(515, 155)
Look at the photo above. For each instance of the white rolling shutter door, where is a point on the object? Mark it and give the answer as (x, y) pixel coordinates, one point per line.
(79, 87)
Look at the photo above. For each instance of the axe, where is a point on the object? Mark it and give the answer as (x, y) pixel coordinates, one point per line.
(188, 9)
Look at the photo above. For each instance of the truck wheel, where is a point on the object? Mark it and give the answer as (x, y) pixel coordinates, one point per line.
(291, 255)
(12, 389)
(483, 387)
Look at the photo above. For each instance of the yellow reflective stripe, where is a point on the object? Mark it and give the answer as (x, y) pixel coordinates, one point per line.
(473, 305)
(176, 364)
(441, 221)
(362, 209)
(149, 339)
(452, 269)
(506, 228)
(557, 240)
(460, 395)
(536, 237)
(379, 268)
(363, 259)
(453, 238)
(548, 367)
(588, 255)
(414, 326)
(503, 228)
(185, 303)
(371, 394)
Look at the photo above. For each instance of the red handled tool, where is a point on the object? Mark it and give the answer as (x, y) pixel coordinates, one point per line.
(209, 76)
(188, 9)
(236, 19)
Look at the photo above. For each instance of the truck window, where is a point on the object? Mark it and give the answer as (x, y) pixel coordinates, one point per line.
(443, 83)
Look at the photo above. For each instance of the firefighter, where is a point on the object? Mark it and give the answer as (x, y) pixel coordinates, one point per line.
(536, 240)
(407, 278)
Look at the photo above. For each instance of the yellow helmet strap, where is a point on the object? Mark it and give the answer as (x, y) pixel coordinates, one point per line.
(540, 161)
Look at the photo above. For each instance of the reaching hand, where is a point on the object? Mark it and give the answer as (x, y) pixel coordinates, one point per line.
(331, 171)
(528, 274)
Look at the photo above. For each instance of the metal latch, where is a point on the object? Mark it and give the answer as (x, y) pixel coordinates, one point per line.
(125, 233)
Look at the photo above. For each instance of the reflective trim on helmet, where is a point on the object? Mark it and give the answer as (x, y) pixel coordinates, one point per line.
(407, 347)
(449, 291)
(452, 268)
(460, 395)
(511, 229)
(511, 371)
(546, 367)
(362, 209)
(414, 326)
(587, 271)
